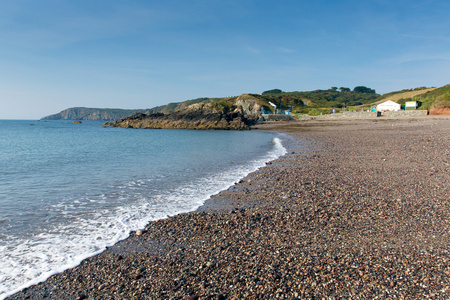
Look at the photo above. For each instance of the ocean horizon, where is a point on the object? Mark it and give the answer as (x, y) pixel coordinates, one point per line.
(68, 191)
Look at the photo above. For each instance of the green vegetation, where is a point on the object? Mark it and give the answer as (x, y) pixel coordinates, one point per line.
(173, 107)
(223, 105)
(404, 91)
(436, 98)
(272, 92)
(314, 103)
(333, 97)
(309, 102)
(363, 90)
(282, 101)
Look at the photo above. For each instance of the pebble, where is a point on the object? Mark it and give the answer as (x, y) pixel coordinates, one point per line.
(332, 220)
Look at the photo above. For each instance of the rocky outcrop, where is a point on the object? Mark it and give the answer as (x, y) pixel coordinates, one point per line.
(196, 116)
(248, 106)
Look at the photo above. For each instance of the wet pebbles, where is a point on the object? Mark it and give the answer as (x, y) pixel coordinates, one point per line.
(360, 212)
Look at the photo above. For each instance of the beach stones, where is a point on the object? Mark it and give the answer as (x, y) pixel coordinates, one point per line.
(81, 297)
(337, 225)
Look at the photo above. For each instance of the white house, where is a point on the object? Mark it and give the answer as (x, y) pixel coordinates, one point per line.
(388, 106)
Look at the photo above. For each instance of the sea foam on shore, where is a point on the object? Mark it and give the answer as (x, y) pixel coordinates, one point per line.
(362, 214)
(73, 196)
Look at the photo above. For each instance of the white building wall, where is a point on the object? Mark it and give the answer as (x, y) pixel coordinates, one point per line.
(388, 106)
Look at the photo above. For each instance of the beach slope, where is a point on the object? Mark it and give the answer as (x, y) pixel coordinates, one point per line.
(360, 210)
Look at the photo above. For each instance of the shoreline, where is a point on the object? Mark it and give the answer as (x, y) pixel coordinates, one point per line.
(313, 224)
(221, 185)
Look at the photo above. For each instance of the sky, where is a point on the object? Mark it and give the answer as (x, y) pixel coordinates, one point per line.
(141, 54)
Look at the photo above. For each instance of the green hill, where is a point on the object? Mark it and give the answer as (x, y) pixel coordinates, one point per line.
(404, 94)
(317, 101)
(321, 101)
(434, 99)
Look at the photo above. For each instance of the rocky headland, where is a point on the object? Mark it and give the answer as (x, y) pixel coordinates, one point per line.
(93, 114)
(239, 115)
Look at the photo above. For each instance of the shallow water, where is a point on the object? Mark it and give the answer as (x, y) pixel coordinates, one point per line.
(68, 190)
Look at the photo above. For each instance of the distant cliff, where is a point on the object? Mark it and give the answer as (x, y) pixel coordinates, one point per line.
(95, 114)
(238, 114)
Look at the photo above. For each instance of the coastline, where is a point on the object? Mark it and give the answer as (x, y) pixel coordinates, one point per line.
(362, 213)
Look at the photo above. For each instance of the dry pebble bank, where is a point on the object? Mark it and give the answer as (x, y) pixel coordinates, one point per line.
(360, 212)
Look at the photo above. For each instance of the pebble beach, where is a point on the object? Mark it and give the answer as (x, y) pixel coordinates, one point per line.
(361, 210)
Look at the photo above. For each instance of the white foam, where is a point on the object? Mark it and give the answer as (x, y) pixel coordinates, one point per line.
(35, 259)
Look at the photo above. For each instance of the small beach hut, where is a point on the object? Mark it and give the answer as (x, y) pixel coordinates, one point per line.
(388, 106)
(410, 105)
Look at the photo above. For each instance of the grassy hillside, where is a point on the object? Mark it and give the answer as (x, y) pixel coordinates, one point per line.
(436, 98)
(398, 96)
(426, 97)
(405, 94)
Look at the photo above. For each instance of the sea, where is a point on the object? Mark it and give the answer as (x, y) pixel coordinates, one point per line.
(68, 191)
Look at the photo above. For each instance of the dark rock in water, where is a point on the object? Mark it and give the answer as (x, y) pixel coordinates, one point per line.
(76, 122)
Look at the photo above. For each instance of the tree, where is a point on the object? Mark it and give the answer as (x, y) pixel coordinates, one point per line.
(333, 88)
(345, 89)
(274, 91)
(363, 90)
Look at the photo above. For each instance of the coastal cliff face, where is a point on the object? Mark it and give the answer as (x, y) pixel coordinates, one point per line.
(239, 116)
(249, 106)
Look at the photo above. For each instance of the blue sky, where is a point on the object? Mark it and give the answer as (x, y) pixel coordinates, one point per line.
(140, 54)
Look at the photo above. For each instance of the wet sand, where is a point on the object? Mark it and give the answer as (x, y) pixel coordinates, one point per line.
(360, 211)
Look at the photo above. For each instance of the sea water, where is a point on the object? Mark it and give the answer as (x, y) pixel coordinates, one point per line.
(67, 191)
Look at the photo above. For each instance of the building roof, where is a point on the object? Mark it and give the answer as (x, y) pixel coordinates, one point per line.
(390, 102)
